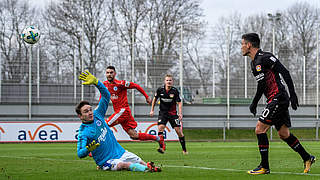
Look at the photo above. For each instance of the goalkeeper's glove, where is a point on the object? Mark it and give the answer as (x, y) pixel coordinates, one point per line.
(88, 78)
(92, 146)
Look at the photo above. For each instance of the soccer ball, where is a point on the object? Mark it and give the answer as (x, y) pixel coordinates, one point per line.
(30, 35)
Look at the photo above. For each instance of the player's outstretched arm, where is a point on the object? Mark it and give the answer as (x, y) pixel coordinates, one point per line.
(89, 79)
(104, 101)
(141, 90)
(287, 78)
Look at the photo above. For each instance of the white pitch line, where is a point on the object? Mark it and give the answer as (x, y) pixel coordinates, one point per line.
(238, 170)
(255, 146)
(47, 159)
(172, 166)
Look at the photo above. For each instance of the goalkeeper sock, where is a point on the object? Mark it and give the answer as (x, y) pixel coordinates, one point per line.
(137, 167)
(145, 136)
(294, 143)
(263, 144)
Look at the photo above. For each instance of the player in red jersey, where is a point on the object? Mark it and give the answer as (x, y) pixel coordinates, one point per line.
(122, 113)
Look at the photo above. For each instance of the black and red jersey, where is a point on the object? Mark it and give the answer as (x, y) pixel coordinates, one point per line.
(118, 91)
(168, 100)
(266, 68)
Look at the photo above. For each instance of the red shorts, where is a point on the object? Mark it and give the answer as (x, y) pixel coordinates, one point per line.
(123, 117)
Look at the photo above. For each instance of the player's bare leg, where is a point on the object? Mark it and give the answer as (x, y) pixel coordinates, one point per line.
(145, 137)
(143, 163)
(133, 134)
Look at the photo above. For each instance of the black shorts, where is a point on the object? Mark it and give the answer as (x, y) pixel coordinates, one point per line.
(163, 118)
(276, 112)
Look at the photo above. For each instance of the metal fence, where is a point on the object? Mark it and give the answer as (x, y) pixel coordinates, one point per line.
(208, 78)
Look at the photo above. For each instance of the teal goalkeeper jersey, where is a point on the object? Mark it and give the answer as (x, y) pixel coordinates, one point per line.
(99, 131)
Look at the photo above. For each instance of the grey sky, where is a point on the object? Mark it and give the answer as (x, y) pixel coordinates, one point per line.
(214, 9)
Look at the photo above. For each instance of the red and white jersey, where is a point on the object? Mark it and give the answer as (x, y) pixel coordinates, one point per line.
(118, 91)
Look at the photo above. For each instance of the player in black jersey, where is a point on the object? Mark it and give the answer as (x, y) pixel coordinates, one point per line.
(169, 98)
(267, 69)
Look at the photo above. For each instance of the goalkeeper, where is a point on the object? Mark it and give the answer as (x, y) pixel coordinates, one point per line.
(96, 137)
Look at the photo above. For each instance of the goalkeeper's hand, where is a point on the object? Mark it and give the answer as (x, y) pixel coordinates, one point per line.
(88, 78)
(92, 146)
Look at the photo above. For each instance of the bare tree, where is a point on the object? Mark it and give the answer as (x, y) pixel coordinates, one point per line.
(127, 18)
(302, 18)
(226, 36)
(166, 21)
(155, 27)
(15, 15)
(198, 64)
(294, 37)
(82, 26)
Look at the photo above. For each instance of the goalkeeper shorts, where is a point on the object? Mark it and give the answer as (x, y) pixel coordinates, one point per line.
(127, 156)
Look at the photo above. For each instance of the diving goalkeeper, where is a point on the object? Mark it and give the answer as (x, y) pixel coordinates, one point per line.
(96, 137)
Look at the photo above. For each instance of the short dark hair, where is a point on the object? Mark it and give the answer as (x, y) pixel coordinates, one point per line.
(168, 75)
(112, 67)
(80, 105)
(253, 38)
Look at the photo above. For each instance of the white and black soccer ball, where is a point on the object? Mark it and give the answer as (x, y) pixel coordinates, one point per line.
(30, 35)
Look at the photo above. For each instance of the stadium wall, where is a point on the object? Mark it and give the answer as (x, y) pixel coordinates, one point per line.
(195, 115)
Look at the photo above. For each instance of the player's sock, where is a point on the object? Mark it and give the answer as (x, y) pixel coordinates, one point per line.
(145, 136)
(183, 143)
(294, 143)
(157, 138)
(162, 144)
(160, 134)
(137, 167)
(263, 144)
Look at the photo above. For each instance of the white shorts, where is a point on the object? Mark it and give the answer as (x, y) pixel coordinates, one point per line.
(126, 157)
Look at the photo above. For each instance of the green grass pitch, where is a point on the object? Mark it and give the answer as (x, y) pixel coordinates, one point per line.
(206, 160)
